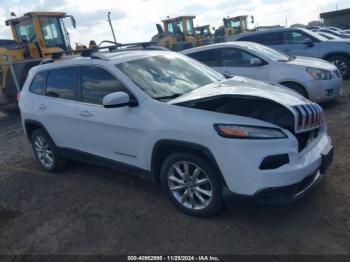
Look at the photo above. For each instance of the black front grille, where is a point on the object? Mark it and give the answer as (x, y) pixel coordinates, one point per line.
(306, 137)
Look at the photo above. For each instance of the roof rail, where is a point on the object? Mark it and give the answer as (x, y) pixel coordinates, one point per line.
(47, 61)
(115, 47)
(96, 55)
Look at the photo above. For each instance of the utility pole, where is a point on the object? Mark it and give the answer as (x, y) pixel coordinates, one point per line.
(110, 24)
(286, 22)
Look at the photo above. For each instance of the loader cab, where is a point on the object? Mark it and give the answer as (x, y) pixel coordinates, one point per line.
(235, 25)
(46, 30)
(181, 26)
(202, 31)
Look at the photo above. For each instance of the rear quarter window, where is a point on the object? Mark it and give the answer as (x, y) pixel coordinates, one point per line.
(38, 85)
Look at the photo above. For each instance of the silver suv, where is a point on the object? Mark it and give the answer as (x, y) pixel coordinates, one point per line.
(303, 42)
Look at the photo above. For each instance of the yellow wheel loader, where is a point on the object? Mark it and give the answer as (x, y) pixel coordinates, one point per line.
(231, 26)
(203, 35)
(36, 35)
(178, 33)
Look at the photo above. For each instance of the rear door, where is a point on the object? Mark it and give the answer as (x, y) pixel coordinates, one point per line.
(113, 133)
(54, 104)
(234, 61)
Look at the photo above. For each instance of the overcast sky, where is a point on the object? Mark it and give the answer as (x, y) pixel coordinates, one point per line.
(134, 20)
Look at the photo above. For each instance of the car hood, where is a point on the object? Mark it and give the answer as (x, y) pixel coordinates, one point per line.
(242, 86)
(312, 62)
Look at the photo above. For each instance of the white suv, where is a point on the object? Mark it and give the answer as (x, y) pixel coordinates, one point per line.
(173, 120)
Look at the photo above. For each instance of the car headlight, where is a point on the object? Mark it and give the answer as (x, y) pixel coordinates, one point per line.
(319, 74)
(248, 132)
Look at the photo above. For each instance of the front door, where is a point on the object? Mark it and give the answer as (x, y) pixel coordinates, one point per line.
(113, 133)
(298, 43)
(235, 61)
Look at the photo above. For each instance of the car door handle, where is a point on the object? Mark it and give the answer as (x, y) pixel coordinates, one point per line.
(85, 114)
(42, 107)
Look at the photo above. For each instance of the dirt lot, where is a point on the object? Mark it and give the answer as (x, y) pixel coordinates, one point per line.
(90, 210)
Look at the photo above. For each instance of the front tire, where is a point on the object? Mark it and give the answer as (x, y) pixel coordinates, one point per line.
(342, 63)
(191, 184)
(46, 152)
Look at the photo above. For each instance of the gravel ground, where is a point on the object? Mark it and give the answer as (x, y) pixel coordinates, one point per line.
(91, 210)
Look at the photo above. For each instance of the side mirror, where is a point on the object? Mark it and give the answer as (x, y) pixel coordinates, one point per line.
(255, 61)
(308, 42)
(117, 99)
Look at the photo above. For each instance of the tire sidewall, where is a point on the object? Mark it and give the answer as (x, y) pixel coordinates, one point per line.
(345, 60)
(216, 202)
(56, 157)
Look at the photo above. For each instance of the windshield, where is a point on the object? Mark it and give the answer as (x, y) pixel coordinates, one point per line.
(168, 75)
(25, 31)
(52, 32)
(270, 53)
(315, 35)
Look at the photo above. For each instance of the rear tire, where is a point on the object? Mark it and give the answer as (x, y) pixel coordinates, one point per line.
(297, 88)
(46, 152)
(191, 184)
(342, 63)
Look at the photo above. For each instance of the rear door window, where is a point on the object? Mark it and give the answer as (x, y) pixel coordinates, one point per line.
(96, 83)
(38, 85)
(208, 57)
(232, 57)
(62, 83)
(265, 39)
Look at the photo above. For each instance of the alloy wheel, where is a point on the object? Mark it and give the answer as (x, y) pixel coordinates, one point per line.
(341, 65)
(190, 185)
(43, 152)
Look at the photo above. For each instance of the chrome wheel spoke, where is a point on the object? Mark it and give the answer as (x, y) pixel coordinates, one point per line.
(196, 173)
(186, 168)
(200, 198)
(193, 202)
(176, 180)
(178, 170)
(184, 196)
(177, 188)
(203, 191)
(202, 181)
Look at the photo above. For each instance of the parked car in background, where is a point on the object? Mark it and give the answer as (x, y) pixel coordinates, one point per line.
(313, 78)
(332, 28)
(332, 32)
(328, 36)
(313, 27)
(303, 42)
(177, 122)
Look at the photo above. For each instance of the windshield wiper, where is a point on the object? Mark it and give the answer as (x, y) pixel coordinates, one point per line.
(168, 97)
(227, 76)
(292, 57)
